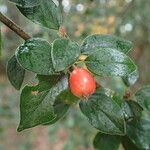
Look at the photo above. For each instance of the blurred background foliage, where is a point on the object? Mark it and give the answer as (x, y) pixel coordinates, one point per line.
(126, 18)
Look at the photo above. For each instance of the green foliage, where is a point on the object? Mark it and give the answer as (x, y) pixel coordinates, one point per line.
(45, 13)
(26, 3)
(143, 97)
(131, 78)
(108, 61)
(101, 112)
(35, 55)
(106, 142)
(96, 42)
(15, 73)
(132, 110)
(139, 133)
(38, 106)
(64, 54)
(127, 144)
(49, 100)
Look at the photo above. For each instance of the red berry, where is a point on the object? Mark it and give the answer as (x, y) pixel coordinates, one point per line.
(82, 83)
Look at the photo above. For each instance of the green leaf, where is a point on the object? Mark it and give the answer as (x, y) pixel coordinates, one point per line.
(131, 78)
(26, 3)
(96, 42)
(47, 14)
(15, 73)
(143, 97)
(127, 144)
(104, 113)
(36, 105)
(139, 133)
(108, 61)
(132, 110)
(62, 102)
(60, 109)
(67, 97)
(35, 55)
(106, 142)
(46, 81)
(64, 53)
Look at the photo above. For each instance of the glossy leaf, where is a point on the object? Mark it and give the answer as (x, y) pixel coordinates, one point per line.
(15, 73)
(139, 133)
(131, 78)
(108, 61)
(64, 53)
(26, 3)
(106, 142)
(95, 42)
(47, 14)
(35, 55)
(103, 113)
(143, 97)
(36, 105)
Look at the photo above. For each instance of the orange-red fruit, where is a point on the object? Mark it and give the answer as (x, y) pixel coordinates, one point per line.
(82, 83)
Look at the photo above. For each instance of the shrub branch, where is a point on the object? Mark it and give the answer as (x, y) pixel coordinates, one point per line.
(13, 26)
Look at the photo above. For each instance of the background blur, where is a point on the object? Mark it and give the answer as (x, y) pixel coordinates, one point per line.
(126, 18)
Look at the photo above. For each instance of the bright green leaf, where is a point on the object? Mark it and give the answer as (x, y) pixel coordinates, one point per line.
(106, 142)
(64, 53)
(95, 42)
(36, 105)
(47, 14)
(109, 61)
(35, 55)
(15, 73)
(103, 113)
(26, 3)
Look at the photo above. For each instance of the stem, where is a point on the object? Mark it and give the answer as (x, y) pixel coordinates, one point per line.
(9, 23)
(63, 32)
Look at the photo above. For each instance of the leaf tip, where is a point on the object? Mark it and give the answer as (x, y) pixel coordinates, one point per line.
(20, 128)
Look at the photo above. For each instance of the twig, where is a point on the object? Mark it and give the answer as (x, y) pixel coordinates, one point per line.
(9, 23)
